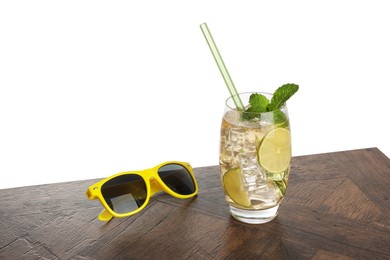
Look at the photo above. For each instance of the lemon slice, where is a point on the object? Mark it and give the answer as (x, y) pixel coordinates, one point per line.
(235, 188)
(274, 152)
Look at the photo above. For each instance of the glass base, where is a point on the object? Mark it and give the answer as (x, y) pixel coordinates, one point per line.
(259, 216)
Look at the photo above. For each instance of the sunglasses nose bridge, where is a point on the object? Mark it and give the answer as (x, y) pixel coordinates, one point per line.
(152, 177)
(147, 174)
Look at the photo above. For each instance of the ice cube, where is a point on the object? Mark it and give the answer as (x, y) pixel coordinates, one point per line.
(236, 136)
(265, 195)
(251, 171)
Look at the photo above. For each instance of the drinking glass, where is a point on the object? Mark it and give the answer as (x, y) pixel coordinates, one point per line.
(255, 158)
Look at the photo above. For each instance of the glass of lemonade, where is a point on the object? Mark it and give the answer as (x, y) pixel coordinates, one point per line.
(255, 156)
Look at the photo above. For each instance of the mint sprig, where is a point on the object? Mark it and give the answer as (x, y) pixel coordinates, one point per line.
(260, 103)
(281, 95)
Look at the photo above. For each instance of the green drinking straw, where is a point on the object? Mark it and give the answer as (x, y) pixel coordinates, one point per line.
(222, 67)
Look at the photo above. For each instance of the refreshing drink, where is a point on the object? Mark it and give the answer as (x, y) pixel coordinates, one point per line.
(255, 156)
(255, 147)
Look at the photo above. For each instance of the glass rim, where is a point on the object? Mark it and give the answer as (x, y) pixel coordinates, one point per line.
(232, 106)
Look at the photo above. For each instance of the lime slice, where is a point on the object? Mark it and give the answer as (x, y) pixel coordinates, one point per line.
(274, 152)
(235, 188)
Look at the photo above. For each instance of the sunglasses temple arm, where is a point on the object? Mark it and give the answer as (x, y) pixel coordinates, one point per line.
(154, 187)
(105, 215)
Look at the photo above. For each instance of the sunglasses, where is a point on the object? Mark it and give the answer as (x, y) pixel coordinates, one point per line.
(127, 193)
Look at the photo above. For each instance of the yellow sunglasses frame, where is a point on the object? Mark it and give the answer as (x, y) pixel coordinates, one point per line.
(153, 183)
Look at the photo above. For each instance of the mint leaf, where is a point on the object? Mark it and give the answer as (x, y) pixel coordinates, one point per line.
(258, 104)
(279, 117)
(281, 95)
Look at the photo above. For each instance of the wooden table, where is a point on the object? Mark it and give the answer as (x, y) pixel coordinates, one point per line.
(337, 206)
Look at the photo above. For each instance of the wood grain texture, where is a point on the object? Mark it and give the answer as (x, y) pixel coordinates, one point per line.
(337, 207)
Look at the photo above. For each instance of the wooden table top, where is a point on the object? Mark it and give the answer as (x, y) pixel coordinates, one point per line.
(337, 206)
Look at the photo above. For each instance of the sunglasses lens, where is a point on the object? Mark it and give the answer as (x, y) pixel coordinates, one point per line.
(125, 193)
(177, 178)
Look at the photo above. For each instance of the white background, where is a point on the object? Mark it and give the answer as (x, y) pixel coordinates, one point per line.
(92, 88)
